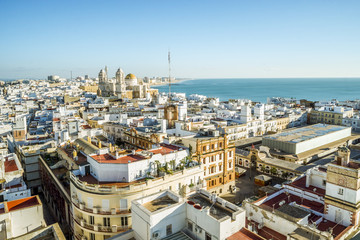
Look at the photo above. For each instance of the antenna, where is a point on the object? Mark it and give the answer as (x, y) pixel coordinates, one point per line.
(169, 76)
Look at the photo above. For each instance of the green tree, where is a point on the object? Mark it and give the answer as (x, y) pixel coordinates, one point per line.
(285, 175)
(273, 171)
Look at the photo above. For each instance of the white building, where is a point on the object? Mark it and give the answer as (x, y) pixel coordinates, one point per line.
(202, 216)
(19, 217)
(11, 179)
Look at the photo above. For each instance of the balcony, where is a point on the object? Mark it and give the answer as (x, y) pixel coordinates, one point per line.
(100, 228)
(97, 210)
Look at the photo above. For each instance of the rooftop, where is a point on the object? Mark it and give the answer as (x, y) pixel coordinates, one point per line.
(305, 133)
(107, 158)
(159, 203)
(217, 211)
(286, 198)
(22, 203)
(10, 166)
(245, 234)
(301, 183)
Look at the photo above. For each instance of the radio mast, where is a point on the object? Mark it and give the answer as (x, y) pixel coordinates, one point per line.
(169, 76)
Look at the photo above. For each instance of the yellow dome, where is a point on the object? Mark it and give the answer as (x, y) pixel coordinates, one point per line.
(130, 76)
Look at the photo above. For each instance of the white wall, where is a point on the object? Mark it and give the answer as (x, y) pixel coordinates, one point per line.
(344, 217)
(349, 195)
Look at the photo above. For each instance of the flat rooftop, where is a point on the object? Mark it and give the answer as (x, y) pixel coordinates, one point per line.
(305, 133)
(217, 211)
(159, 203)
(283, 198)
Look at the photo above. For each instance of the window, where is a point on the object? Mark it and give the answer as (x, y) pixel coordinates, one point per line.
(220, 145)
(204, 160)
(230, 153)
(212, 146)
(123, 204)
(168, 229)
(220, 180)
(106, 222)
(220, 156)
(204, 149)
(324, 182)
(190, 226)
(230, 177)
(124, 221)
(220, 168)
(91, 220)
(229, 164)
(207, 236)
(341, 191)
(92, 236)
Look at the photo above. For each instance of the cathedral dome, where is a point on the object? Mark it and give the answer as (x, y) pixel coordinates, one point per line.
(131, 80)
(130, 76)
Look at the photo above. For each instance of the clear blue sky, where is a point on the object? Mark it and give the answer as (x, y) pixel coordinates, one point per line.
(269, 38)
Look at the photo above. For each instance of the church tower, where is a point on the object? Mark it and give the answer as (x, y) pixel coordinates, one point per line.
(342, 198)
(120, 83)
(19, 130)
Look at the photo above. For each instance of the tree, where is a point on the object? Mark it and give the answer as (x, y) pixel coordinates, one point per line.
(190, 149)
(157, 167)
(285, 175)
(273, 171)
(263, 168)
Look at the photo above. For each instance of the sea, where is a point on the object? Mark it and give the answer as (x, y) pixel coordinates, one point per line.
(259, 89)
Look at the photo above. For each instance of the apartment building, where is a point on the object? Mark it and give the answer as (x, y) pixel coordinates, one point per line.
(217, 155)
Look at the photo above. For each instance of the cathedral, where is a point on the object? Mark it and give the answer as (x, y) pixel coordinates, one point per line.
(123, 87)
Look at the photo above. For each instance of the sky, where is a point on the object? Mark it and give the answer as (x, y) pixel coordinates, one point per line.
(207, 39)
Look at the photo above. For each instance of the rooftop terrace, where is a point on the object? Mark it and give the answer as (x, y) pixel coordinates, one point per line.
(159, 203)
(216, 210)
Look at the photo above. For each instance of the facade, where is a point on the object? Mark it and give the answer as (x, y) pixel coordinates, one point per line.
(29, 156)
(56, 195)
(171, 114)
(217, 156)
(20, 129)
(330, 115)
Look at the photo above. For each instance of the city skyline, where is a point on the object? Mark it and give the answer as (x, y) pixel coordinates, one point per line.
(242, 39)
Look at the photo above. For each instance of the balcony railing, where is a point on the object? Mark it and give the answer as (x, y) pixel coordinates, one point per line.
(99, 227)
(98, 210)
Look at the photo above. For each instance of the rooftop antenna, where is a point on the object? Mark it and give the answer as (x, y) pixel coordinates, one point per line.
(169, 76)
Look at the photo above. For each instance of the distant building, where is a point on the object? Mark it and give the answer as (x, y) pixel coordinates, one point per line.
(330, 115)
(123, 87)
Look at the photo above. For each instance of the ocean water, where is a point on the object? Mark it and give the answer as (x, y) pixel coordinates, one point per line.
(259, 89)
